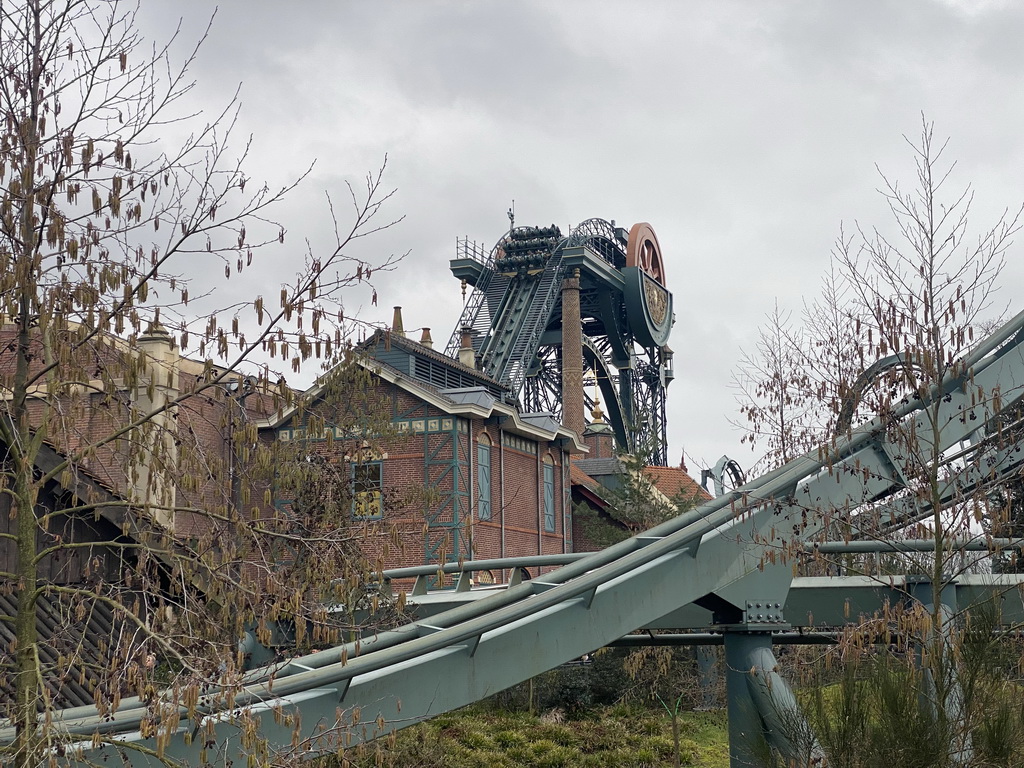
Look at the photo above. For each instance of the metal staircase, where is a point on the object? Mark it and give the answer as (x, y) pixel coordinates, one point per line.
(485, 294)
(512, 301)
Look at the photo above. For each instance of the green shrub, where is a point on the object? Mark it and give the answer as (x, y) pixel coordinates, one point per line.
(507, 738)
(624, 736)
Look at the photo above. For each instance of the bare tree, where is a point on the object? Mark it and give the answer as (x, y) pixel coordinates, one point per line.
(902, 307)
(135, 488)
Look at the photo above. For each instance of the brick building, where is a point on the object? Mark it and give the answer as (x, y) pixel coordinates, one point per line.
(441, 463)
(451, 464)
(101, 489)
(436, 451)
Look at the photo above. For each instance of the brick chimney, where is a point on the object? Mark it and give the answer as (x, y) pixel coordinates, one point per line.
(572, 356)
(396, 323)
(466, 354)
(425, 339)
(156, 458)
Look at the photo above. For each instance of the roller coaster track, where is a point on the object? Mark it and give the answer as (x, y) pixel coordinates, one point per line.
(720, 556)
(525, 313)
(508, 312)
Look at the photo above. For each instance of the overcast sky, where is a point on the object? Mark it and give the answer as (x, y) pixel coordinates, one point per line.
(746, 133)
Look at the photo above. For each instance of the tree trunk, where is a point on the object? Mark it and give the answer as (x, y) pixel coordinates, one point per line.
(28, 675)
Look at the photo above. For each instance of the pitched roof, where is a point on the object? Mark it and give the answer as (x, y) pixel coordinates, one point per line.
(674, 481)
(600, 467)
(388, 339)
(670, 481)
(476, 401)
(587, 486)
(75, 646)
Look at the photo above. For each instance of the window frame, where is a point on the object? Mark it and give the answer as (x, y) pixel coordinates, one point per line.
(373, 489)
(484, 509)
(548, 484)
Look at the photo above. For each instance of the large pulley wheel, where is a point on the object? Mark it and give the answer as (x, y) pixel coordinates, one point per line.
(648, 301)
(643, 251)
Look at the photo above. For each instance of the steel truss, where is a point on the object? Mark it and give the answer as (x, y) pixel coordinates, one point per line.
(515, 316)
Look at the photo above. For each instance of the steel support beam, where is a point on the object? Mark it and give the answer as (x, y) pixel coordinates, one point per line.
(923, 592)
(763, 713)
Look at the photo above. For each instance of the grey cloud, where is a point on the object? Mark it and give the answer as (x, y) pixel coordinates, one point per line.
(744, 132)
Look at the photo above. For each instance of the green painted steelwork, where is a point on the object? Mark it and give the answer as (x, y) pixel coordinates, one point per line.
(445, 477)
(814, 603)
(532, 561)
(515, 318)
(762, 708)
(713, 556)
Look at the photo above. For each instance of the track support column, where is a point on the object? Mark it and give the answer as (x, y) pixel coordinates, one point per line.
(961, 748)
(710, 675)
(746, 732)
(763, 713)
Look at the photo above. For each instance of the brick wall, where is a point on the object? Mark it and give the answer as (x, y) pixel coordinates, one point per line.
(418, 433)
(433, 501)
(516, 527)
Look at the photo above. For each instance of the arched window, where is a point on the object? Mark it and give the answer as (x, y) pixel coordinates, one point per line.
(483, 476)
(549, 493)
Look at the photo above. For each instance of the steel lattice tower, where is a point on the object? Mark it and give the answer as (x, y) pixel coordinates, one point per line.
(516, 319)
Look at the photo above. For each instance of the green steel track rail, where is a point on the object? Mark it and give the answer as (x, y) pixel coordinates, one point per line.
(814, 604)
(714, 556)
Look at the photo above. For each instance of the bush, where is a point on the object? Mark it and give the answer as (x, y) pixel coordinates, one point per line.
(610, 737)
(605, 679)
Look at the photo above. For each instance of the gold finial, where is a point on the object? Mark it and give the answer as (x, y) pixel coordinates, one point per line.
(596, 414)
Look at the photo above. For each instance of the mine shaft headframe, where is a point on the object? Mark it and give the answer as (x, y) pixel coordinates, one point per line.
(624, 316)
